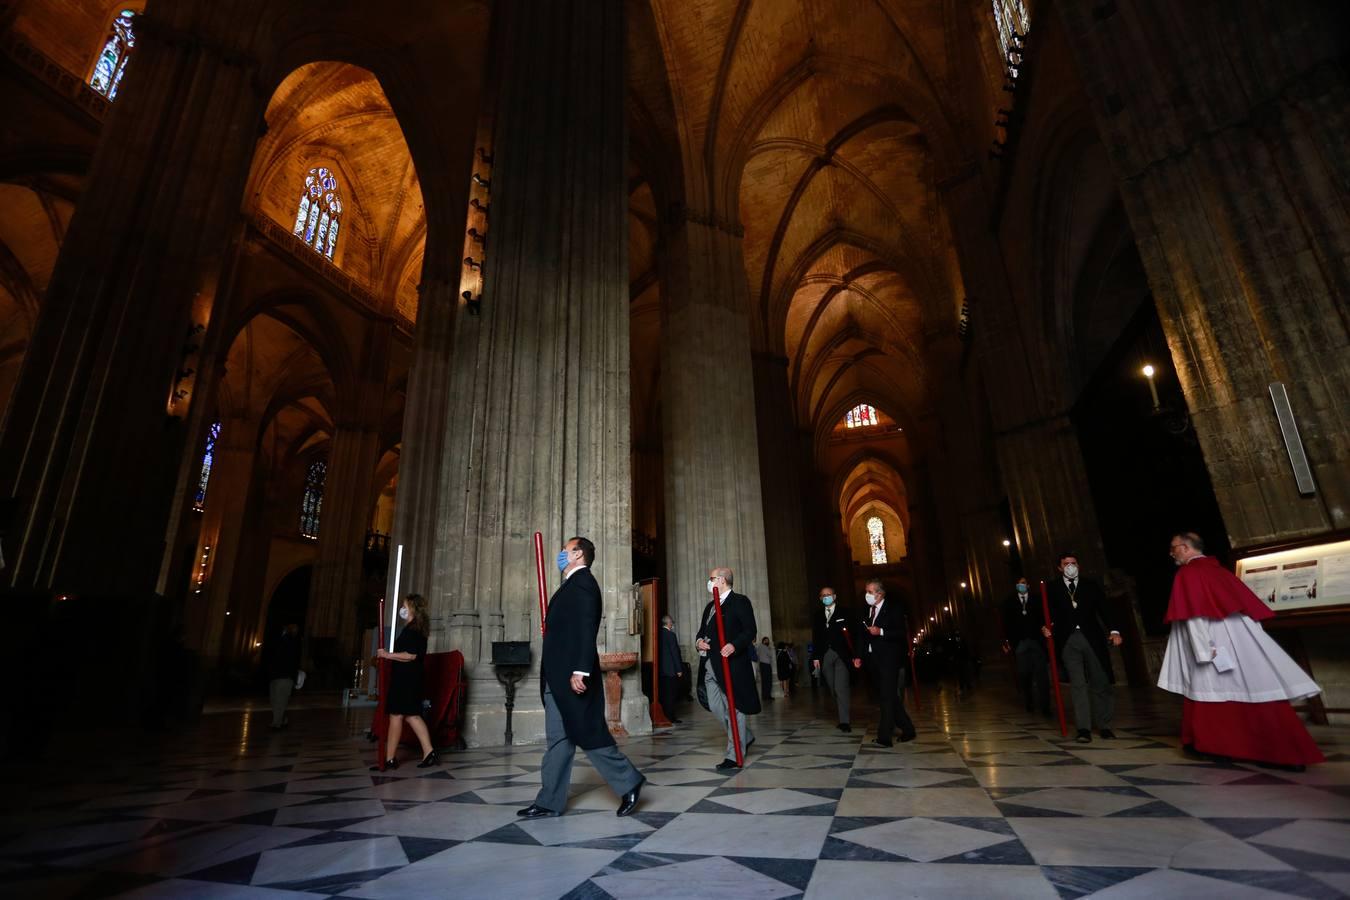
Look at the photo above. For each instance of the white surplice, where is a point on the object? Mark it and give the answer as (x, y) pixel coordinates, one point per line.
(1262, 672)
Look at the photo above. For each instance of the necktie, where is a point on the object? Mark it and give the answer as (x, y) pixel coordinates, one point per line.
(1073, 592)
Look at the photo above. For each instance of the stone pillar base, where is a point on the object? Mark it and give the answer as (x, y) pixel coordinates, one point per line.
(485, 710)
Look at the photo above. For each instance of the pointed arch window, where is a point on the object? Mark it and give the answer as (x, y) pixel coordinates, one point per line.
(112, 59)
(204, 476)
(861, 416)
(876, 539)
(319, 211)
(1012, 23)
(312, 502)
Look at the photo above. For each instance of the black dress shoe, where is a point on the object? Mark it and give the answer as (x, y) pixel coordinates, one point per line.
(1108, 733)
(534, 811)
(727, 765)
(430, 760)
(388, 764)
(677, 721)
(906, 738)
(629, 801)
(1084, 736)
(845, 727)
(881, 743)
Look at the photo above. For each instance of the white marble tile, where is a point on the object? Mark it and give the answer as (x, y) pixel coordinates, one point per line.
(908, 778)
(1323, 774)
(895, 803)
(332, 858)
(314, 785)
(580, 775)
(448, 821)
(517, 794)
(147, 798)
(1252, 800)
(489, 771)
(1103, 755)
(1077, 801)
(1044, 776)
(223, 806)
(771, 800)
(328, 812)
(889, 759)
(922, 839)
(797, 778)
(1171, 883)
(183, 852)
(805, 761)
(694, 880)
(75, 836)
(833, 879)
(488, 871)
(1326, 838)
(1339, 881)
(654, 798)
(1193, 774)
(714, 834)
(681, 776)
(423, 789)
(578, 826)
(1145, 842)
(697, 760)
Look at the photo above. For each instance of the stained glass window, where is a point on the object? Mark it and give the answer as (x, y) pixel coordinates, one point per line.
(316, 217)
(860, 416)
(208, 457)
(112, 59)
(876, 538)
(1012, 22)
(312, 502)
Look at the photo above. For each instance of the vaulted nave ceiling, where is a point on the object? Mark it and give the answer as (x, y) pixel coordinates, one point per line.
(820, 130)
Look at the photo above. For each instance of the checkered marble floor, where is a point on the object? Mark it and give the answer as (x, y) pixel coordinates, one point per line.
(988, 801)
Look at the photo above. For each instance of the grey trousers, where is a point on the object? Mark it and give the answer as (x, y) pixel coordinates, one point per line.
(834, 670)
(717, 702)
(1094, 704)
(556, 774)
(280, 692)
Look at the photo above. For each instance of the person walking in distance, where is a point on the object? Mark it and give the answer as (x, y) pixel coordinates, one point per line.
(672, 668)
(738, 620)
(1022, 623)
(832, 652)
(883, 647)
(764, 656)
(1077, 622)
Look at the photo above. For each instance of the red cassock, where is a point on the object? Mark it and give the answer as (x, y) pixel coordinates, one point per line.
(1236, 681)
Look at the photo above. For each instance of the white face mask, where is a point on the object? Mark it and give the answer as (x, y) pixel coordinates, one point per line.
(403, 613)
(1070, 571)
(710, 585)
(871, 599)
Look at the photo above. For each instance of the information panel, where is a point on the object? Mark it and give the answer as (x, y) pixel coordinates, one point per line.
(1300, 578)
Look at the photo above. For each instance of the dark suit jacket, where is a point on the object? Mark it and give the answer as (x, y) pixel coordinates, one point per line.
(888, 648)
(825, 638)
(739, 620)
(570, 627)
(1089, 617)
(1016, 626)
(671, 664)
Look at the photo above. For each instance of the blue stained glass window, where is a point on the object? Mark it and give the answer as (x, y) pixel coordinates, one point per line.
(316, 219)
(208, 457)
(312, 502)
(112, 59)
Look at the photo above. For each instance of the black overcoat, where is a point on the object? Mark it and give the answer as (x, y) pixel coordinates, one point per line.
(842, 635)
(570, 628)
(1090, 617)
(738, 617)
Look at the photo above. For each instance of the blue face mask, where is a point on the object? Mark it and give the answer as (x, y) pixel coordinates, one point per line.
(1021, 589)
(562, 560)
(828, 599)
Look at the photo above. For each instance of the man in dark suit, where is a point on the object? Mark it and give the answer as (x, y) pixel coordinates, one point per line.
(1077, 620)
(1022, 623)
(883, 649)
(832, 651)
(672, 668)
(574, 707)
(738, 618)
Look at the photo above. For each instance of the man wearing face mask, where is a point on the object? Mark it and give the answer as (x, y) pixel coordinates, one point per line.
(832, 644)
(574, 708)
(1022, 623)
(882, 649)
(1077, 620)
(738, 618)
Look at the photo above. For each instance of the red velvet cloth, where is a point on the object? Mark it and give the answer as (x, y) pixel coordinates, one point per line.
(1259, 732)
(1203, 589)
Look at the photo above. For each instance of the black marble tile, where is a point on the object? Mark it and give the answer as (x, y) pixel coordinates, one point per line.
(1078, 881)
(1294, 883)
(587, 890)
(1302, 859)
(332, 884)
(236, 871)
(509, 834)
(793, 872)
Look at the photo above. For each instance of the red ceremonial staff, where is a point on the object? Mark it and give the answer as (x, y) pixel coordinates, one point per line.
(1054, 669)
(539, 572)
(726, 678)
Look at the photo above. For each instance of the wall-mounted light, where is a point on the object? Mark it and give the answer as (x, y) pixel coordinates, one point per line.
(947, 608)
(1148, 372)
(227, 612)
(1007, 543)
(963, 585)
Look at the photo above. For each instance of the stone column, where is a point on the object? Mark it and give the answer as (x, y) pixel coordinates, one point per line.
(714, 500)
(537, 435)
(790, 595)
(94, 428)
(1230, 148)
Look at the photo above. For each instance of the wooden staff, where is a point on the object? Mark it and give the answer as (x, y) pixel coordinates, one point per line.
(726, 677)
(1054, 669)
(539, 572)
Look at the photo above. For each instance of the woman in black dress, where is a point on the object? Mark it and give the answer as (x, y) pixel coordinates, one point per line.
(404, 697)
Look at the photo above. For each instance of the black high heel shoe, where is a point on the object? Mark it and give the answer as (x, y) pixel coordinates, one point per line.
(431, 760)
(388, 764)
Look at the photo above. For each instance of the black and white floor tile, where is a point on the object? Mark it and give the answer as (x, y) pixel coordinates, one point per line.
(988, 801)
